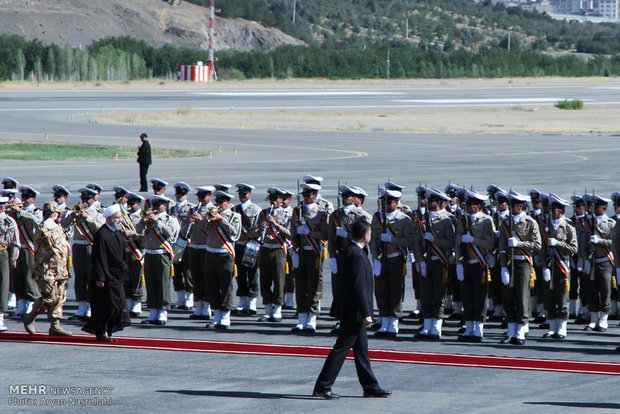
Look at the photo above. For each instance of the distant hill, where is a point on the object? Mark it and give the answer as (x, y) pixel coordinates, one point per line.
(80, 22)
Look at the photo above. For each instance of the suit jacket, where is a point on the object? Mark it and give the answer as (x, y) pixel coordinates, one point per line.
(355, 292)
(108, 258)
(144, 153)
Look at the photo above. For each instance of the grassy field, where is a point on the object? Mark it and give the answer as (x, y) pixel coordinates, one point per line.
(19, 150)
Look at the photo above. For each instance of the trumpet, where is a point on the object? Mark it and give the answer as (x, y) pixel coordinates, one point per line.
(79, 210)
(146, 213)
(211, 213)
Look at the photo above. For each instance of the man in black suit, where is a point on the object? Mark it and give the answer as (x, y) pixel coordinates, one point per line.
(353, 306)
(144, 159)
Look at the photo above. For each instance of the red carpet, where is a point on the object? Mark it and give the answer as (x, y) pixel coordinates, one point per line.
(379, 355)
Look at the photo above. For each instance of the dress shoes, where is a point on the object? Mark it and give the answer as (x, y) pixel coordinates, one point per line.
(505, 340)
(464, 338)
(159, 323)
(104, 337)
(475, 339)
(558, 336)
(377, 393)
(309, 331)
(328, 395)
(220, 327)
(274, 319)
(599, 329)
(134, 315)
(517, 341)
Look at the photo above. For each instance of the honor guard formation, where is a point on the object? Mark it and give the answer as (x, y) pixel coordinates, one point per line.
(500, 256)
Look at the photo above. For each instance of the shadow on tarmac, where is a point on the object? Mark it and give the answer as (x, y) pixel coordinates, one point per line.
(612, 406)
(247, 394)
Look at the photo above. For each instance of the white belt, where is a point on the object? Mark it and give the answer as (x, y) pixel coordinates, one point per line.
(519, 257)
(272, 245)
(197, 246)
(602, 260)
(81, 242)
(308, 248)
(472, 261)
(155, 251)
(433, 258)
(216, 249)
(392, 255)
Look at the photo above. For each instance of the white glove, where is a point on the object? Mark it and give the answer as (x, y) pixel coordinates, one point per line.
(333, 263)
(386, 237)
(552, 242)
(460, 272)
(546, 274)
(428, 236)
(595, 239)
(497, 234)
(505, 276)
(303, 230)
(423, 269)
(617, 271)
(467, 238)
(587, 267)
(580, 265)
(295, 259)
(411, 257)
(376, 267)
(491, 260)
(341, 232)
(513, 242)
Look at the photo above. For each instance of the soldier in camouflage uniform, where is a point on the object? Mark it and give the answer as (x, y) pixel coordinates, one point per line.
(50, 271)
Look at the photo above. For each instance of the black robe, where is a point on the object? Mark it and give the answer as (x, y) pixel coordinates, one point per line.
(108, 307)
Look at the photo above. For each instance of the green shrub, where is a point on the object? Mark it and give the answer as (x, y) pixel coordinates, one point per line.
(572, 104)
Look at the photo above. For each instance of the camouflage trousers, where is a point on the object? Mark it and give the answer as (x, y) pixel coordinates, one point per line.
(52, 297)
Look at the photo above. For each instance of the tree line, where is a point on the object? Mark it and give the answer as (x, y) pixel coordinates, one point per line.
(125, 59)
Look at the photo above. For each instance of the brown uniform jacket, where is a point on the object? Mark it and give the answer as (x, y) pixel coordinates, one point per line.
(529, 235)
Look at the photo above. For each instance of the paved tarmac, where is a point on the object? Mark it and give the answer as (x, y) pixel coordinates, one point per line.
(164, 381)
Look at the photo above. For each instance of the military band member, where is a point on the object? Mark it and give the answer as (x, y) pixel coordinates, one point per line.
(159, 231)
(158, 186)
(289, 283)
(247, 278)
(275, 224)
(477, 238)
(96, 187)
(327, 205)
(578, 279)
(51, 271)
(433, 252)
(9, 183)
(86, 219)
(120, 194)
(61, 194)
(518, 242)
(182, 280)
(135, 256)
(197, 253)
(308, 235)
(599, 263)
(28, 218)
(339, 232)
(9, 252)
(560, 245)
(223, 230)
(391, 240)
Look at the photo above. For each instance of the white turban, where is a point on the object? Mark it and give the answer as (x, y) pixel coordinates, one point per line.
(111, 210)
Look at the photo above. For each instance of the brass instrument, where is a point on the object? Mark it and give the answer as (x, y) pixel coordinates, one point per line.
(211, 213)
(126, 222)
(78, 210)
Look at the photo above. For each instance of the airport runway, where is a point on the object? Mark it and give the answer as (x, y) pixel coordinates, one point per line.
(159, 381)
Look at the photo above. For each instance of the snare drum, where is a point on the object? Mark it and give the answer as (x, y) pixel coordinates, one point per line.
(251, 254)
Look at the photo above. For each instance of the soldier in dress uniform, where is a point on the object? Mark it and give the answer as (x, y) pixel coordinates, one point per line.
(518, 242)
(182, 281)
(86, 219)
(615, 197)
(247, 278)
(578, 279)
(197, 253)
(289, 282)
(327, 205)
(158, 186)
(61, 194)
(11, 195)
(456, 206)
(476, 235)
(538, 293)
(135, 256)
(28, 218)
(159, 230)
(392, 239)
(560, 245)
(51, 271)
(339, 233)
(9, 183)
(599, 263)
(275, 225)
(309, 232)
(417, 218)
(99, 189)
(222, 230)
(432, 251)
(497, 210)
(120, 194)
(9, 252)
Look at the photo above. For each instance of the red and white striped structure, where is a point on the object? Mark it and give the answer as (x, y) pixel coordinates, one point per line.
(194, 73)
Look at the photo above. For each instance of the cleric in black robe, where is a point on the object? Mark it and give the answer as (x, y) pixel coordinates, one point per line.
(109, 271)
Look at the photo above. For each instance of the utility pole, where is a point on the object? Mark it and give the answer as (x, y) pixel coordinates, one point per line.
(407, 28)
(211, 36)
(509, 33)
(294, 9)
(388, 63)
